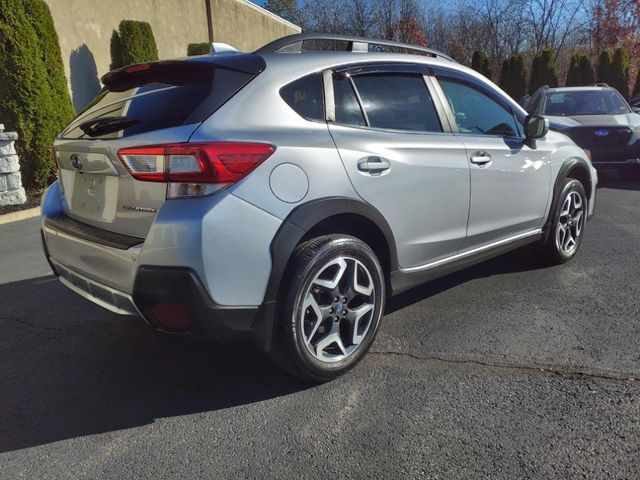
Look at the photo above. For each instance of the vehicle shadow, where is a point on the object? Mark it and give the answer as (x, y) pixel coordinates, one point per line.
(70, 369)
(519, 260)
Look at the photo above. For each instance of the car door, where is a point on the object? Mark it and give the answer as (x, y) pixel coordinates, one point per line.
(402, 158)
(510, 180)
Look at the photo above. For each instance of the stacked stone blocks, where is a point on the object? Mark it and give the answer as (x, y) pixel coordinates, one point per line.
(11, 190)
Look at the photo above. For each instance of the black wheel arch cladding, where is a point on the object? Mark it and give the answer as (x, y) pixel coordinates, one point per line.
(300, 221)
(568, 167)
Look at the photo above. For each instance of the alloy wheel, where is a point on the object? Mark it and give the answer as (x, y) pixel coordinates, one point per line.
(570, 223)
(338, 309)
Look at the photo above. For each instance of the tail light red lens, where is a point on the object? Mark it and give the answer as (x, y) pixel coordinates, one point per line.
(172, 317)
(54, 156)
(197, 163)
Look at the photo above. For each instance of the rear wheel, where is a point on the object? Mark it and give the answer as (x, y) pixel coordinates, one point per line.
(331, 307)
(568, 223)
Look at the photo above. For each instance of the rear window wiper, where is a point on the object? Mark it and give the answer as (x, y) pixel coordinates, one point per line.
(104, 125)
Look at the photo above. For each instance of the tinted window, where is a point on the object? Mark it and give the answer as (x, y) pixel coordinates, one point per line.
(306, 97)
(347, 107)
(477, 113)
(586, 102)
(397, 102)
(155, 105)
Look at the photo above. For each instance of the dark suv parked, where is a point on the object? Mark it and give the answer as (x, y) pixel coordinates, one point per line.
(598, 119)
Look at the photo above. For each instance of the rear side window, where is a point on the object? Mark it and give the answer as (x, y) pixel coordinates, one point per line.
(142, 103)
(348, 111)
(306, 97)
(397, 102)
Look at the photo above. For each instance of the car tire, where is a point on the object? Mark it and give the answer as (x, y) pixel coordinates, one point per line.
(629, 173)
(330, 308)
(567, 223)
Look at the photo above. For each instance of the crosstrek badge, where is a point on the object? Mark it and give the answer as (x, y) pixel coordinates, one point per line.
(140, 209)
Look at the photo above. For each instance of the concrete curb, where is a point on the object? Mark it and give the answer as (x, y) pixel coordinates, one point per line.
(20, 215)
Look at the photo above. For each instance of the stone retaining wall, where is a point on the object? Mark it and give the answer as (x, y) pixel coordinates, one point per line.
(11, 190)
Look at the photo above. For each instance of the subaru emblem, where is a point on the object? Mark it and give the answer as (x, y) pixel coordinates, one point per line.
(76, 161)
(602, 133)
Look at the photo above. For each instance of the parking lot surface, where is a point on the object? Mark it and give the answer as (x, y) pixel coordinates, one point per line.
(505, 370)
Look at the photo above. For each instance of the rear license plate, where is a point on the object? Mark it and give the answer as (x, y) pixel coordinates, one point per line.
(94, 196)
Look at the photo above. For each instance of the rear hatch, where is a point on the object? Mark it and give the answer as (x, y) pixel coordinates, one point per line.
(149, 104)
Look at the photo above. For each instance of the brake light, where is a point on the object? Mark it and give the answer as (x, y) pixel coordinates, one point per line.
(195, 164)
(54, 156)
(138, 68)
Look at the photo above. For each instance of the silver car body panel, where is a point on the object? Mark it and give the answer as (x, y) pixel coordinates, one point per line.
(203, 234)
(511, 194)
(427, 197)
(424, 195)
(102, 193)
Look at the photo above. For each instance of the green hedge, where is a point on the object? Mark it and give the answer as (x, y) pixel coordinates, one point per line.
(620, 76)
(480, 63)
(636, 88)
(605, 65)
(198, 49)
(513, 77)
(34, 99)
(580, 71)
(543, 71)
(573, 75)
(132, 43)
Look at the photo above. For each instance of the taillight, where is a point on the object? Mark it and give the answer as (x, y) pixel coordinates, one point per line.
(54, 155)
(194, 168)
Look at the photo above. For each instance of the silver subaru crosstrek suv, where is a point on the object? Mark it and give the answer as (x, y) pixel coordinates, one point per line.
(286, 194)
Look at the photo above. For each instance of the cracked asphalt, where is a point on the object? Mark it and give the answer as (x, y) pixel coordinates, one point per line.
(505, 370)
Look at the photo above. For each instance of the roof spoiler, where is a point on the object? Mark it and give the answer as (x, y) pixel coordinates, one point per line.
(180, 72)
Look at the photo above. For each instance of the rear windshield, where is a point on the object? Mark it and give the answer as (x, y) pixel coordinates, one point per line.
(589, 102)
(169, 95)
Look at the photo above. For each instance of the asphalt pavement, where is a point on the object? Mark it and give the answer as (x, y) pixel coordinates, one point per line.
(505, 370)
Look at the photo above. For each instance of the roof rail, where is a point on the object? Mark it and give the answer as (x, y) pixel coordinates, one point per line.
(294, 44)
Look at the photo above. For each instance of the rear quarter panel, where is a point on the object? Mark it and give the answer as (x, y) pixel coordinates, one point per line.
(312, 166)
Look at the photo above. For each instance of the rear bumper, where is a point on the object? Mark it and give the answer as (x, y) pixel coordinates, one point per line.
(186, 263)
(156, 290)
(160, 290)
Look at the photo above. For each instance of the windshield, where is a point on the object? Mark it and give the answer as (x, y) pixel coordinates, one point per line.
(586, 102)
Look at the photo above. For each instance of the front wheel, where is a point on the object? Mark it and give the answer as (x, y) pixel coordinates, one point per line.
(568, 221)
(331, 307)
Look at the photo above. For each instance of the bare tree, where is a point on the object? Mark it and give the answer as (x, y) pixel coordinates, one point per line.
(361, 19)
(553, 23)
(325, 16)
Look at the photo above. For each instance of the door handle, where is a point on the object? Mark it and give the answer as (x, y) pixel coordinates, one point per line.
(480, 158)
(374, 165)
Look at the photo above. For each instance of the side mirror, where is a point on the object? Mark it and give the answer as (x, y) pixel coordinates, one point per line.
(635, 109)
(535, 126)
